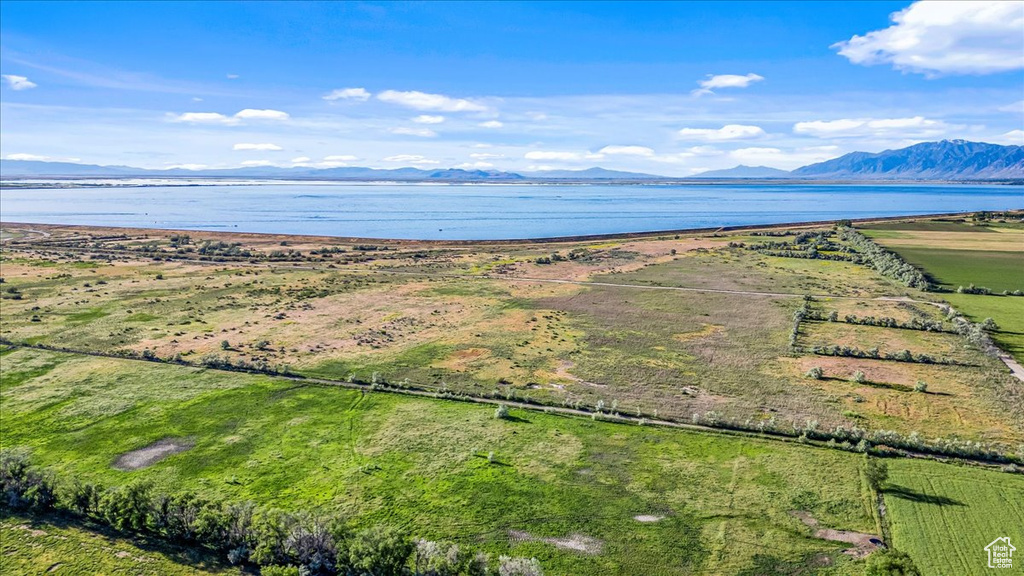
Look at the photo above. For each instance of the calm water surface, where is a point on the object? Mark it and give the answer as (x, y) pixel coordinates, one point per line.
(486, 211)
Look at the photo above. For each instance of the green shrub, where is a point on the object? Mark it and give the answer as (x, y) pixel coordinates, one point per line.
(890, 562)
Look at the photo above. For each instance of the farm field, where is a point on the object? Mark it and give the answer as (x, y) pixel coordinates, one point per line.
(957, 253)
(232, 358)
(423, 464)
(944, 516)
(673, 327)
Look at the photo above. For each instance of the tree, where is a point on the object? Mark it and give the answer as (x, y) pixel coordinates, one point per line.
(816, 373)
(519, 567)
(890, 562)
(859, 377)
(225, 345)
(921, 386)
(127, 507)
(501, 412)
(379, 552)
(989, 325)
(877, 473)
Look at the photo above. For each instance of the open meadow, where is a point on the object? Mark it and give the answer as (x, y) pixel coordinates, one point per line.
(264, 368)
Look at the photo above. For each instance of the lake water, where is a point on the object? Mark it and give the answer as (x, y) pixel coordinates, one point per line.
(488, 211)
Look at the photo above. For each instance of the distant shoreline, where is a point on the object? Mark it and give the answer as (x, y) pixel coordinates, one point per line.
(545, 240)
(86, 182)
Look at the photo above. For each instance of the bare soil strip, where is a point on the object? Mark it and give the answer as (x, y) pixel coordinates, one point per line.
(149, 455)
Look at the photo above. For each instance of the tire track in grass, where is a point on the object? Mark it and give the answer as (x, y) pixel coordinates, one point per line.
(720, 536)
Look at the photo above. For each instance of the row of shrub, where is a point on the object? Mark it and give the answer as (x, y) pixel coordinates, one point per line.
(278, 542)
(884, 262)
(889, 322)
(972, 289)
(874, 353)
(879, 442)
(882, 321)
(975, 333)
(810, 254)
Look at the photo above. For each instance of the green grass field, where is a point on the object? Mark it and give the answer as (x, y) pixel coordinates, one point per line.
(1007, 311)
(423, 464)
(996, 270)
(944, 516)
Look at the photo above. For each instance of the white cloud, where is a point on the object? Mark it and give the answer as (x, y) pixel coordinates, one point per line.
(727, 132)
(203, 118)
(914, 127)
(716, 81)
(536, 116)
(196, 99)
(565, 156)
(485, 155)
(410, 159)
(778, 158)
(301, 160)
(1017, 107)
(253, 114)
(340, 158)
(428, 119)
(233, 76)
(1013, 137)
(491, 124)
(33, 157)
(187, 167)
(406, 131)
(18, 82)
(933, 38)
(475, 165)
(435, 102)
(686, 155)
(254, 163)
(627, 151)
(218, 118)
(358, 94)
(262, 147)
(703, 151)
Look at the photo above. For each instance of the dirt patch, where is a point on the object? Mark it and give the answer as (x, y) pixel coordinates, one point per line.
(155, 452)
(864, 544)
(805, 517)
(563, 372)
(574, 542)
(31, 531)
(647, 518)
(461, 360)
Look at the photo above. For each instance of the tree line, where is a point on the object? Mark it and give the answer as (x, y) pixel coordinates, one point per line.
(278, 542)
(884, 262)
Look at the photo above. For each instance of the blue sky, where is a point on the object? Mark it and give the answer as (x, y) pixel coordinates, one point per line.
(656, 87)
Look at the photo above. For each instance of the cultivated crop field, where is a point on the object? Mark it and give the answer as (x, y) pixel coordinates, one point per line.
(945, 516)
(673, 395)
(987, 254)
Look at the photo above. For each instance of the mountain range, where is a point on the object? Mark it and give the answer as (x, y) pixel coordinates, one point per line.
(945, 160)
